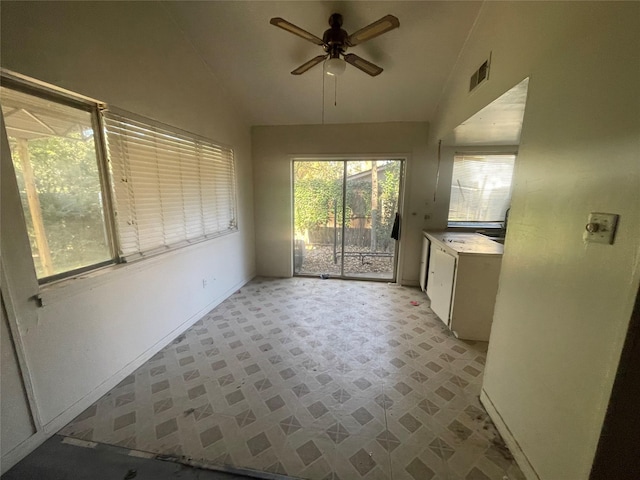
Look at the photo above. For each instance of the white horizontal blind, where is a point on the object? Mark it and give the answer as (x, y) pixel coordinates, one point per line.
(170, 188)
(481, 188)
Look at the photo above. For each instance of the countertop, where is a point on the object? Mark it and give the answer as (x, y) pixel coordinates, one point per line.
(467, 243)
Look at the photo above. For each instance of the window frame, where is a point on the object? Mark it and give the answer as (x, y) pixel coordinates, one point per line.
(63, 97)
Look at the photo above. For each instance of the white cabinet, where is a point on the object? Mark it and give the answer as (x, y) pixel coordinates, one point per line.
(442, 269)
(462, 281)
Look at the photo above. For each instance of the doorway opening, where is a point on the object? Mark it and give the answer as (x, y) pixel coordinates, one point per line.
(344, 214)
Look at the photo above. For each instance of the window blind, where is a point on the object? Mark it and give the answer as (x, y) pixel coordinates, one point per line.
(481, 188)
(170, 188)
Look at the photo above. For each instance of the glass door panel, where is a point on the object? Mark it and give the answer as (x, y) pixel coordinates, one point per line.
(318, 210)
(372, 190)
(348, 238)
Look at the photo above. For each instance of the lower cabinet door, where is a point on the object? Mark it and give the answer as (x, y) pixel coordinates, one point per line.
(442, 267)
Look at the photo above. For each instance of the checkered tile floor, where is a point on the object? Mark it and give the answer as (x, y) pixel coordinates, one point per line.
(316, 379)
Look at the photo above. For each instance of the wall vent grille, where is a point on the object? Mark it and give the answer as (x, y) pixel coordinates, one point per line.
(479, 76)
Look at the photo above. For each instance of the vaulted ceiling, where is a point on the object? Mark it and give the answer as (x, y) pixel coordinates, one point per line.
(253, 59)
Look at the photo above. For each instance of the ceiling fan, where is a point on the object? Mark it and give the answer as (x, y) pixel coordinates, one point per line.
(335, 42)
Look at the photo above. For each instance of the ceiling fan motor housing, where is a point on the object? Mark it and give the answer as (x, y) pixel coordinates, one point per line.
(335, 38)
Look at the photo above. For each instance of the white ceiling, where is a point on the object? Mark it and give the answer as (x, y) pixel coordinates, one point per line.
(253, 59)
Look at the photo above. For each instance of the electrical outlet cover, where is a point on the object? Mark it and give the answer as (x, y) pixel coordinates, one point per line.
(600, 228)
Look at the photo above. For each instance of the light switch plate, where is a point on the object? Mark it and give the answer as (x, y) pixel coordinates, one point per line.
(600, 228)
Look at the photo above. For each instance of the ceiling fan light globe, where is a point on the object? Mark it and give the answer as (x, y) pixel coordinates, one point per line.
(335, 66)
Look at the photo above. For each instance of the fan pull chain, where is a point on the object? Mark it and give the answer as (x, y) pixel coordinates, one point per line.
(335, 91)
(323, 74)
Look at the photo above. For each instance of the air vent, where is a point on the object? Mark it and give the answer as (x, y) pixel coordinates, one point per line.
(480, 75)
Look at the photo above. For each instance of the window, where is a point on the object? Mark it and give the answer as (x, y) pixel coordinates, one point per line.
(160, 189)
(53, 147)
(171, 189)
(480, 188)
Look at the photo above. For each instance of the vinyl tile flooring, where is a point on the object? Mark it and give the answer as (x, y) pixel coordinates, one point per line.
(314, 379)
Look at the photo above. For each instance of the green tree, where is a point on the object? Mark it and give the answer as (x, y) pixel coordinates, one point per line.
(318, 198)
(317, 194)
(389, 192)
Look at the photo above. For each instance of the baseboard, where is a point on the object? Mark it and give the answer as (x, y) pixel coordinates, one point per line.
(519, 456)
(23, 449)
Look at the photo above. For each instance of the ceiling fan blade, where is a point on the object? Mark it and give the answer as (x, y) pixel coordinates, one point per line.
(307, 65)
(362, 64)
(291, 28)
(386, 23)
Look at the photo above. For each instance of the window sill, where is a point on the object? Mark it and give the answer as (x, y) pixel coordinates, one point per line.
(493, 230)
(474, 225)
(53, 292)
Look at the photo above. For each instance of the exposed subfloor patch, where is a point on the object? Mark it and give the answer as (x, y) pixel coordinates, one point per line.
(315, 379)
(65, 458)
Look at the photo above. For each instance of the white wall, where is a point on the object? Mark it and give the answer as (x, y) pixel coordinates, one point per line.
(275, 147)
(563, 306)
(15, 416)
(93, 331)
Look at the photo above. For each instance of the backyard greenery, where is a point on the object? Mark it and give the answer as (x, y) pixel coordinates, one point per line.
(318, 194)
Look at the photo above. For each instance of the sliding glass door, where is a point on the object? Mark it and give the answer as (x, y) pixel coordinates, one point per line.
(344, 213)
